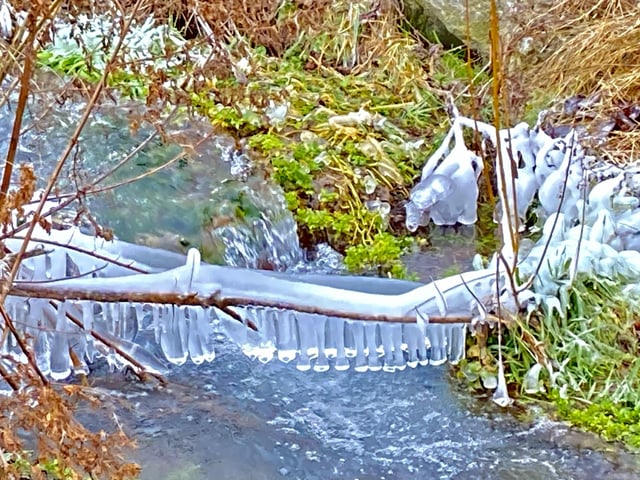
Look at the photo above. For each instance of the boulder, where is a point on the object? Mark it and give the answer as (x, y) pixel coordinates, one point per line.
(443, 21)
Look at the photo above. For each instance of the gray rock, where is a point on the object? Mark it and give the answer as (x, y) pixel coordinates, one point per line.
(443, 21)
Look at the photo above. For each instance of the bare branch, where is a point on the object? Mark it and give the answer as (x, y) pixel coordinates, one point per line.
(213, 300)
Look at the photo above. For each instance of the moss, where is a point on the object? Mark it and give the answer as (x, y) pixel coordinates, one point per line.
(382, 254)
(50, 468)
(612, 421)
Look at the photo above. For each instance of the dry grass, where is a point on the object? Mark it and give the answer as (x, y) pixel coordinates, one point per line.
(581, 47)
(39, 431)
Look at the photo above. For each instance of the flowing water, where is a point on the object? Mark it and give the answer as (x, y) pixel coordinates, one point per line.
(236, 418)
(213, 198)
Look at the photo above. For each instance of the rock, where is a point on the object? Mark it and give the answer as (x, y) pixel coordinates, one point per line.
(444, 21)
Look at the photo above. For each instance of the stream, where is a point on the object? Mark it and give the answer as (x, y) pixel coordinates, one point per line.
(238, 419)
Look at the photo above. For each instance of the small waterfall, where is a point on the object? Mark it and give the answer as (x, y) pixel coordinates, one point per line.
(248, 225)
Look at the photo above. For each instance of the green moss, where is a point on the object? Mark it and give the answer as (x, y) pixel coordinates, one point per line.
(76, 64)
(264, 143)
(612, 421)
(51, 468)
(244, 121)
(382, 255)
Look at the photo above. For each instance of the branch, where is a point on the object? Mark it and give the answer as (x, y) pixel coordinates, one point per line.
(213, 300)
(23, 346)
(25, 78)
(141, 372)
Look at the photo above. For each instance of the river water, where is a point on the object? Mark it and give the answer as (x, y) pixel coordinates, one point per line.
(239, 419)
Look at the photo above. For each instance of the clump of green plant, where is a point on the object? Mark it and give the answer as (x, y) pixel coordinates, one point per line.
(383, 253)
(612, 421)
(51, 469)
(580, 351)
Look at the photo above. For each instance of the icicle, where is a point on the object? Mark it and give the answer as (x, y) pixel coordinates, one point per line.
(331, 340)
(456, 335)
(398, 351)
(307, 346)
(357, 331)
(140, 315)
(501, 395)
(372, 337)
(266, 322)
(114, 323)
(155, 315)
(286, 334)
(129, 321)
(531, 380)
(172, 336)
(205, 330)
(322, 363)
(60, 360)
(249, 340)
(438, 350)
(197, 337)
(336, 327)
(79, 342)
(41, 270)
(411, 336)
(42, 352)
(386, 335)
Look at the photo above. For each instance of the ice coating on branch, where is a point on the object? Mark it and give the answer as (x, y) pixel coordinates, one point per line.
(157, 334)
(593, 230)
(313, 341)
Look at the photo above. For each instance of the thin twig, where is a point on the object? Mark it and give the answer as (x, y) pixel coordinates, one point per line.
(141, 372)
(25, 79)
(7, 377)
(23, 346)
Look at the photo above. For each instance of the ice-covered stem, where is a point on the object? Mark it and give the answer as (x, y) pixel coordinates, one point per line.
(507, 150)
(103, 290)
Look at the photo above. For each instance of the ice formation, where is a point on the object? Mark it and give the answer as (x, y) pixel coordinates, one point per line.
(285, 308)
(319, 322)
